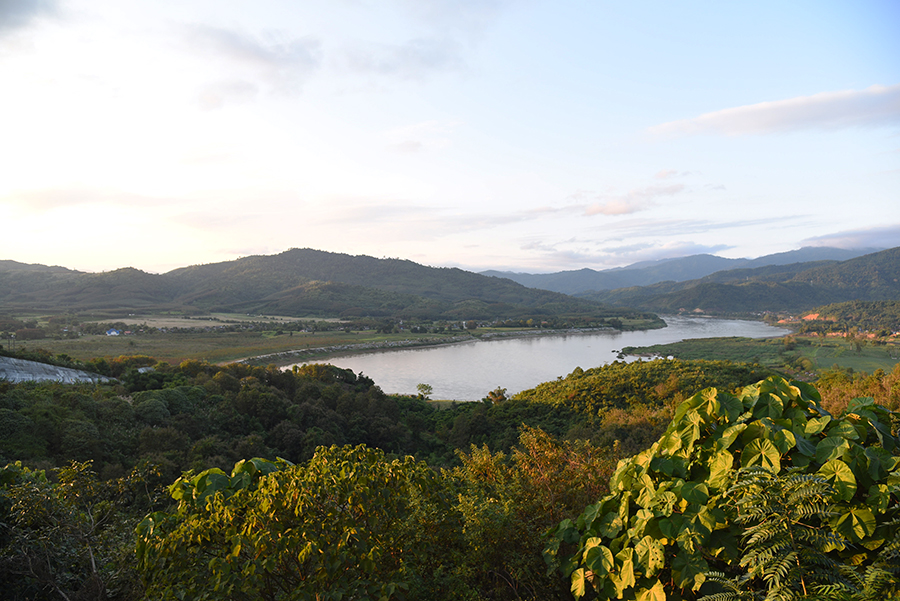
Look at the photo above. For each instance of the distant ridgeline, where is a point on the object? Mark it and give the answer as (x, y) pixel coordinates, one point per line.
(301, 282)
(305, 282)
(793, 287)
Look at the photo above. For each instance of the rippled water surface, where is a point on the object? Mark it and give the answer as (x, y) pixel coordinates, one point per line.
(467, 371)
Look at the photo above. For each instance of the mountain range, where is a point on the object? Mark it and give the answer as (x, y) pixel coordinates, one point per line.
(297, 282)
(681, 269)
(791, 288)
(313, 283)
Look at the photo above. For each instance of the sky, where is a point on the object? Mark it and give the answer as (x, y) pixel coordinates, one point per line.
(521, 135)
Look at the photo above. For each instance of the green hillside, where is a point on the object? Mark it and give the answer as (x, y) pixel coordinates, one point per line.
(301, 283)
(796, 287)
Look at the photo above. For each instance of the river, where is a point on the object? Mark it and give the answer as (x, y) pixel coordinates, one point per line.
(468, 371)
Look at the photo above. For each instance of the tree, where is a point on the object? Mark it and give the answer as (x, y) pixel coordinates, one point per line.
(497, 395)
(784, 554)
(67, 536)
(668, 521)
(339, 527)
(425, 390)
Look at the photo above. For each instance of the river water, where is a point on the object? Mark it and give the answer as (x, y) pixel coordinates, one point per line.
(468, 371)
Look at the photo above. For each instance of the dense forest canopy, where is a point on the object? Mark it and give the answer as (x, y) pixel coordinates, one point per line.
(878, 317)
(251, 482)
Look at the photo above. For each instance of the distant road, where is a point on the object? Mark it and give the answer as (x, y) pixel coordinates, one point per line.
(20, 370)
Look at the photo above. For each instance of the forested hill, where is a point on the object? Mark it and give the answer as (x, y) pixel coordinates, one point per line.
(682, 269)
(302, 282)
(394, 275)
(797, 287)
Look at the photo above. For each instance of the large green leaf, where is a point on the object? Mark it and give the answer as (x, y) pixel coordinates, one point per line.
(730, 406)
(841, 477)
(689, 570)
(610, 525)
(761, 452)
(805, 446)
(720, 468)
(831, 447)
(844, 429)
(623, 578)
(856, 524)
(650, 555)
(579, 583)
(655, 593)
(784, 440)
(768, 405)
(671, 526)
(730, 435)
(599, 560)
(879, 497)
(695, 492)
(817, 425)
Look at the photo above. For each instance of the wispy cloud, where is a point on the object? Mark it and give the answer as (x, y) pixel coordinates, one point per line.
(273, 61)
(654, 252)
(468, 17)
(413, 60)
(875, 106)
(875, 237)
(54, 198)
(667, 228)
(632, 201)
(563, 255)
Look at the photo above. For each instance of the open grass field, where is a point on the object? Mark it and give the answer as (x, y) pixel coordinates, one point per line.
(214, 347)
(844, 354)
(174, 338)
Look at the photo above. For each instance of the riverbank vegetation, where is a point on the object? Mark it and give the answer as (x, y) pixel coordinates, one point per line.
(219, 338)
(854, 336)
(456, 499)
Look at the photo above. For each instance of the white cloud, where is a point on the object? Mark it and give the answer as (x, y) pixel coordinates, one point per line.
(618, 206)
(875, 106)
(563, 255)
(875, 237)
(633, 201)
(470, 17)
(412, 60)
(282, 63)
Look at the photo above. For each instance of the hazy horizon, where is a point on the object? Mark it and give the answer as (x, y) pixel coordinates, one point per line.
(868, 251)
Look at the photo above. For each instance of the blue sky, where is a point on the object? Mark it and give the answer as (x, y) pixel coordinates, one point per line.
(523, 135)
